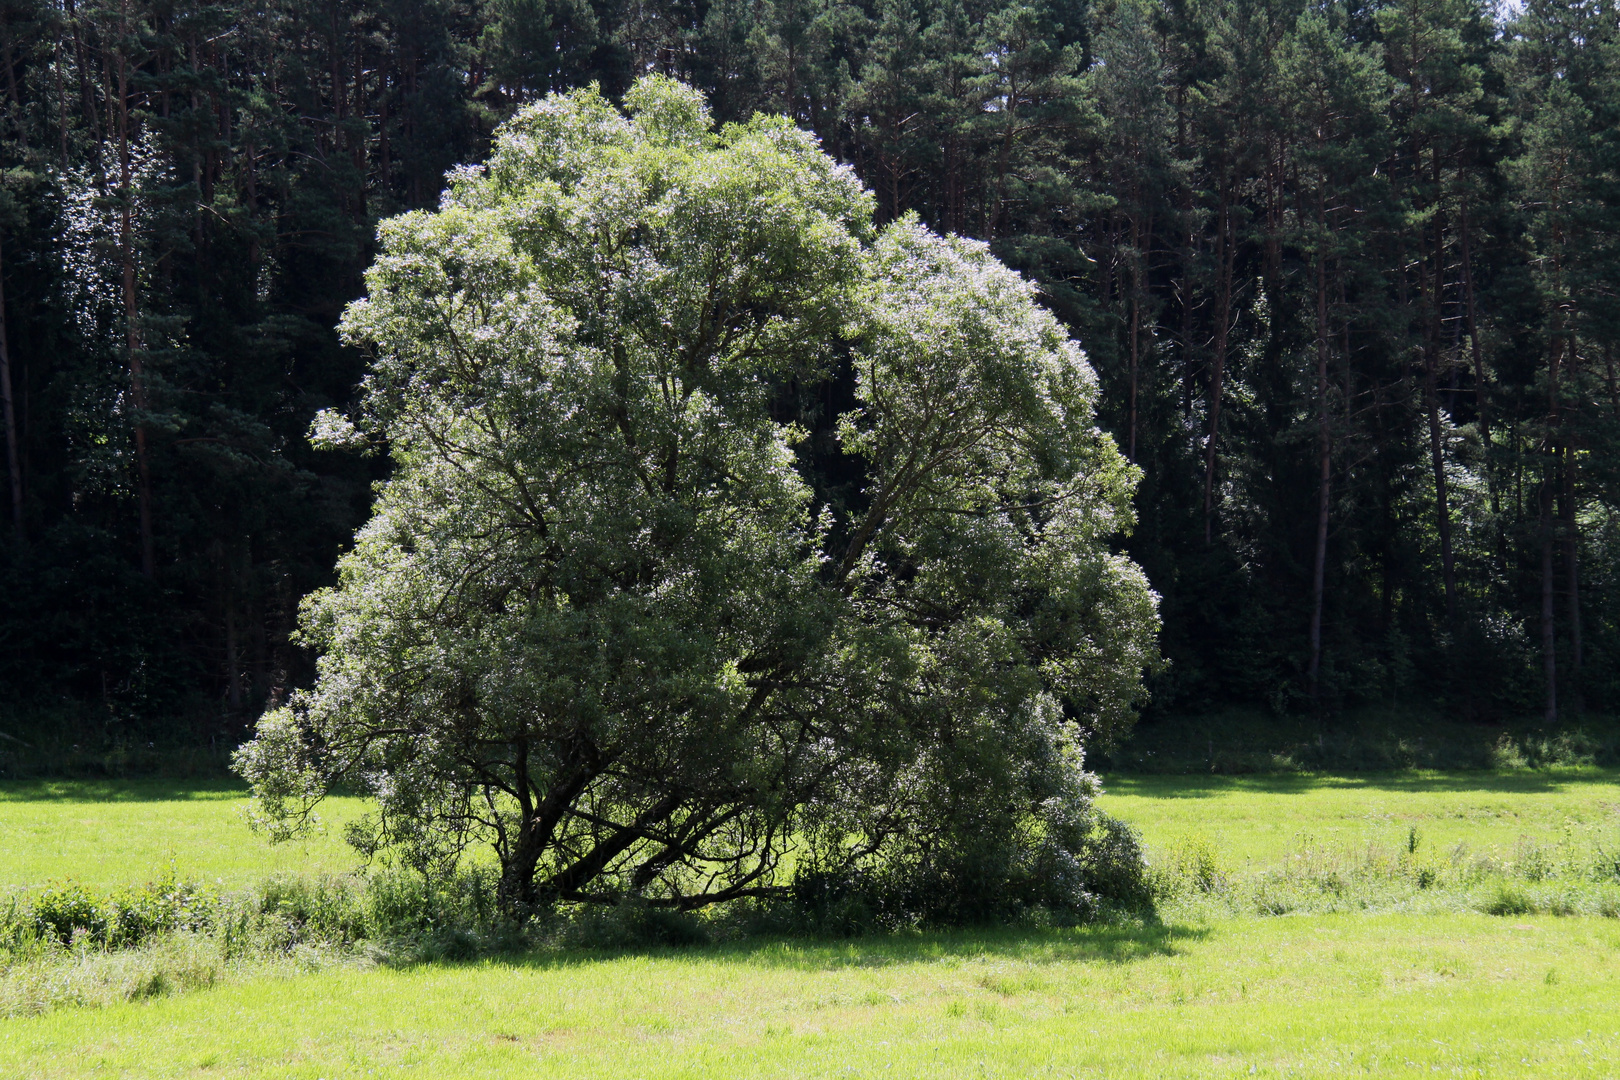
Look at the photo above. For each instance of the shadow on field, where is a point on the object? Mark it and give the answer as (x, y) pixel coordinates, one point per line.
(1525, 782)
(120, 790)
(1101, 944)
(1107, 943)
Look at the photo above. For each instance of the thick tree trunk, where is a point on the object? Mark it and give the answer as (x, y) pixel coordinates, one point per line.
(517, 893)
(13, 458)
(582, 871)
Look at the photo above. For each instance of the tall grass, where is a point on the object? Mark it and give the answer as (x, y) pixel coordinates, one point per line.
(67, 944)
(1578, 873)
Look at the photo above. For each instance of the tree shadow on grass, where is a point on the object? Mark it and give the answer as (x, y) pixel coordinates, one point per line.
(143, 789)
(1109, 943)
(1103, 943)
(1517, 782)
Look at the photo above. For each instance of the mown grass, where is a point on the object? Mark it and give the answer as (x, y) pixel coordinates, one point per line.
(1390, 961)
(1388, 996)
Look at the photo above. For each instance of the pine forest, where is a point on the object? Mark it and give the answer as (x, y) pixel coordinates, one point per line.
(1348, 273)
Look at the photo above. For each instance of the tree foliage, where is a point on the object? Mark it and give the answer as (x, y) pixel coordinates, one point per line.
(608, 616)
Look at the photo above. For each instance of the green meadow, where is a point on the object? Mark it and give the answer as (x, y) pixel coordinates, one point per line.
(110, 833)
(1260, 820)
(1308, 926)
(1385, 995)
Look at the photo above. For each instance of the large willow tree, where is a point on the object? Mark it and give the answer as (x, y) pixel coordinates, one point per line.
(722, 525)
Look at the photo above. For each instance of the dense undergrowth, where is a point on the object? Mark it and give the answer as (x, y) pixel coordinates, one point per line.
(65, 944)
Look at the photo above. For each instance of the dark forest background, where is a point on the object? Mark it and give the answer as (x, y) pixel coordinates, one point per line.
(1349, 273)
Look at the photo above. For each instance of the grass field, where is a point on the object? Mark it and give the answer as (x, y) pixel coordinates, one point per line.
(1323, 996)
(113, 832)
(108, 833)
(1203, 993)
(1259, 820)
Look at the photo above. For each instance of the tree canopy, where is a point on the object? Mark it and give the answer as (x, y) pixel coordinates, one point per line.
(722, 524)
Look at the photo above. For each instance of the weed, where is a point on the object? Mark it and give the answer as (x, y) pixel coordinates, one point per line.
(1508, 898)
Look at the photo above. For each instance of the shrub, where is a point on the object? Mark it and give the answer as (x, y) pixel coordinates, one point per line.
(137, 913)
(1113, 866)
(65, 911)
(320, 908)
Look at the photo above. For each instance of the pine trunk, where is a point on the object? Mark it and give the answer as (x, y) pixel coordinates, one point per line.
(1549, 630)
(1572, 576)
(1223, 317)
(1324, 445)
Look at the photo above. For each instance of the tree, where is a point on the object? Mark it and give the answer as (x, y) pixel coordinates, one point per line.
(610, 615)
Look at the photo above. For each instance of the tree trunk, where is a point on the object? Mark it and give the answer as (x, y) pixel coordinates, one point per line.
(1136, 298)
(1614, 384)
(1572, 577)
(537, 824)
(1324, 442)
(12, 457)
(233, 656)
(1549, 633)
(61, 106)
(1184, 288)
(132, 327)
(1438, 462)
(1481, 399)
(1431, 364)
(1223, 317)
